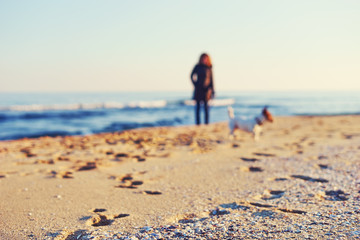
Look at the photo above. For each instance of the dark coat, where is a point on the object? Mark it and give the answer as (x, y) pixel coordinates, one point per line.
(203, 82)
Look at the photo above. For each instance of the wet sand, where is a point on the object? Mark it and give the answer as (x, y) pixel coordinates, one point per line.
(301, 180)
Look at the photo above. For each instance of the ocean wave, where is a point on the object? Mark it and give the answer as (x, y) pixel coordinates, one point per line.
(3, 117)
(213, 102)
(38, 134)
(67, 115)
(121, 126)
(257, 106)
(86, 106)
(110, 105)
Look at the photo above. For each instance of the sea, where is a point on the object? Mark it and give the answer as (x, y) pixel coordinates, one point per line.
(32, 115)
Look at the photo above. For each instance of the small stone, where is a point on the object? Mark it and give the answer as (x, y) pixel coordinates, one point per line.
(146, 229)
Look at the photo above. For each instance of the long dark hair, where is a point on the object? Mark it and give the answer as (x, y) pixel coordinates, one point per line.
(205, 59)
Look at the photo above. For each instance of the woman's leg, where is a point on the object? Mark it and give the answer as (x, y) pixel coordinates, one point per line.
(197, 112)
(206, 108)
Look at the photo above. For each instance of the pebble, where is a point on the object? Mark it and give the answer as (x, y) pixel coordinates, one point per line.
(147, 229)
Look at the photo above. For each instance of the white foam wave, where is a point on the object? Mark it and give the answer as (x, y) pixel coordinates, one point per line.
(150, 104)
(213, 102)
(86, 106)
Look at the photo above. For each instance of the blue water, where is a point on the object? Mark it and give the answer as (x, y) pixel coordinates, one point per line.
(59, 114)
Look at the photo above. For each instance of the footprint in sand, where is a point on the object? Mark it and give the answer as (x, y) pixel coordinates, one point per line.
(323, 166)
(62, 174)
(96, 210)
(255, 169)
(139, 158)
(218, 212)
(311, 143)
(337, 195)
(63, 158)
(152, 192)
(111, 142)
(252, 169)
(121, 155)
(130, 184)
(127, 177)
(348, 136)
(278, 179)
(272, 194)
(51, 161)
(249, 159)
(264, 154)
(276, 192)
(136, 183)
(310, 179)
(280, 209)
(87, 166)
(101, 219)
(109, 152)
(261, 205)
(27, 152)
(292, 211)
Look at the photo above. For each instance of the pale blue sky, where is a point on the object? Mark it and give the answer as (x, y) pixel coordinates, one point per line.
(153, 45)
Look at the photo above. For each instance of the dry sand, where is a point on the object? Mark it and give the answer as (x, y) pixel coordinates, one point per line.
(301, 180)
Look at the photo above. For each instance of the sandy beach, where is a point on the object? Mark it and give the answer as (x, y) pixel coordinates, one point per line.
(301, 180)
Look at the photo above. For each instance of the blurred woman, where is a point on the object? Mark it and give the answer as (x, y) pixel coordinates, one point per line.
(202, 79)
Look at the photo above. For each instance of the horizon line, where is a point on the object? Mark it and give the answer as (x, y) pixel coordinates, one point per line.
(148, 91)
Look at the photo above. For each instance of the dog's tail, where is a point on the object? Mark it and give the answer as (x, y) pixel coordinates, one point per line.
(231, 112)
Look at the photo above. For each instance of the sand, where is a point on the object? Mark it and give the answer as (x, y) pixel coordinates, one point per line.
(301, 180)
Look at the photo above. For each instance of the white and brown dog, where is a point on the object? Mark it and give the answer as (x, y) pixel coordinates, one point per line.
(252, 125)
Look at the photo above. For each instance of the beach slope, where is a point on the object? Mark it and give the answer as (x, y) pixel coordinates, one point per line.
(301, 180)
